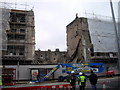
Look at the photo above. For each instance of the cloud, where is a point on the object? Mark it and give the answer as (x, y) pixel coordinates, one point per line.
(52, 17)
(55, 15)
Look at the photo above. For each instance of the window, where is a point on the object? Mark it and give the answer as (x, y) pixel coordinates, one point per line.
(21, 53)
(10, 36)
(22, 19)
(98, 54)
(13, 30)
(21, 50)
(41, 56)
(20, 37)
(13, 18)
(22, 30)
(55, 53)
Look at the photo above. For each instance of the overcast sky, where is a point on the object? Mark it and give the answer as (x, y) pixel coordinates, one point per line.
(52, 17)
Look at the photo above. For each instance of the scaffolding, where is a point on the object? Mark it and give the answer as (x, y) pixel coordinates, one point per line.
(17, 28)
(103, 38)
(102, 32)
(5, 9)
(99, 17)
(4, 26)
(7, 5)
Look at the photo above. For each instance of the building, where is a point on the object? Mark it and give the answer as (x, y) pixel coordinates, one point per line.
(104, 57)
(91, 40)
(50, 57)
(103, 39)
(79, 44)
(19, 36)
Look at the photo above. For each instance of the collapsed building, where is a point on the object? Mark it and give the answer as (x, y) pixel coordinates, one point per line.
(79, 44)
(50, 57)
(91, 40)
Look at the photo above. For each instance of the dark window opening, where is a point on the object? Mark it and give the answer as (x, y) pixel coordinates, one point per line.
(22, 30)
(21, 37)
(41, 56)
(17, 17)
(21, 53)
(92, 54)
(13, 18)
(16, 50)
(22, 19)
(55, 53)
(98, 54)
(10, 37)
(13, 30)
(15, 37)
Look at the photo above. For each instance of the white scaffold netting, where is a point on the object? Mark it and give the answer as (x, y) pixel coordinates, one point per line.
(102, 35)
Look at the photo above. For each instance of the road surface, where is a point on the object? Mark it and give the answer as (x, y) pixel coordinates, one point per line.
(112, 83)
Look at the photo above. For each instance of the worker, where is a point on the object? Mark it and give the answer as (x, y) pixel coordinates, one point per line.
(93, 80)
(73, 80)
(38, 77)
(82, 81)
(0, 81)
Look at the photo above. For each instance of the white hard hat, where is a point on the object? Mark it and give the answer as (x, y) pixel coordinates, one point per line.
(80, 73)
(72, 72)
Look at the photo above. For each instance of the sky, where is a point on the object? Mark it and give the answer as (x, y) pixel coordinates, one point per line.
(52, 17)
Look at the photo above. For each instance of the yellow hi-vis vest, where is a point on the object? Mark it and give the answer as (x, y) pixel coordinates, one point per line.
(0, 82)
(81, 79)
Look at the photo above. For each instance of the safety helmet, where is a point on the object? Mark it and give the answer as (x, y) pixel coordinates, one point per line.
(72, 72)
(80, 73)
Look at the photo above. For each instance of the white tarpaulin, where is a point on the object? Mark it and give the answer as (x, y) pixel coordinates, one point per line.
(4, 25)
(102, 35)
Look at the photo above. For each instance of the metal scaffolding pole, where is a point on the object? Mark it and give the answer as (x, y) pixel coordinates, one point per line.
(117, 37)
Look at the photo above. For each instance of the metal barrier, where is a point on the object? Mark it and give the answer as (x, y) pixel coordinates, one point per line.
(51, 87)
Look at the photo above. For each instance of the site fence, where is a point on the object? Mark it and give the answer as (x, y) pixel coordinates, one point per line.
(50, 87)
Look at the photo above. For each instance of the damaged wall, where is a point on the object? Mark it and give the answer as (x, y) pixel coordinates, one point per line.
(78, 41)
(50, 57)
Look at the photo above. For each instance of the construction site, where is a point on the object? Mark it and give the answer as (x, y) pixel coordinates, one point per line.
(18, 35)
(90, 46)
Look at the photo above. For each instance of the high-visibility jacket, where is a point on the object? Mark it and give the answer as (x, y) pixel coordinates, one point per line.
(0, 82)
(82, 80)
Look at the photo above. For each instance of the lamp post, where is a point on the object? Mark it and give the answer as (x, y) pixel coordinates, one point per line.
(116, 34)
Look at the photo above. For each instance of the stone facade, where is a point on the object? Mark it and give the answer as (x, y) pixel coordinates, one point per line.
(50, 57)
(79, 44)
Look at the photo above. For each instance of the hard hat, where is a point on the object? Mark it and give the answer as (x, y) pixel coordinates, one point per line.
(72, 72)
(80, 73)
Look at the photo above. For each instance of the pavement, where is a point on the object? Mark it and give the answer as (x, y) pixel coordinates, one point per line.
(111, 83)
